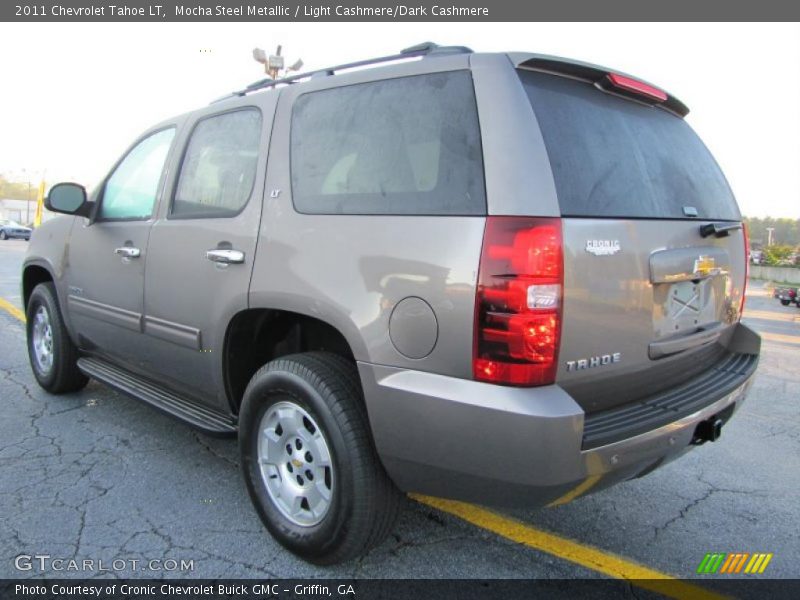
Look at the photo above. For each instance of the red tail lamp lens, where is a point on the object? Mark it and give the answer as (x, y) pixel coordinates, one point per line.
(518, 303)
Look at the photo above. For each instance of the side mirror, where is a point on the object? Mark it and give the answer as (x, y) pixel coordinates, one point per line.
(68, 198)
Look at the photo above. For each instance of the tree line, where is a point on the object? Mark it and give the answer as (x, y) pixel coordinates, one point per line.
(786, 231)
(18, 190)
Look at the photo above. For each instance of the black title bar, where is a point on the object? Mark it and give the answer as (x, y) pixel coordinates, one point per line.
(387, 589)
(405, 11)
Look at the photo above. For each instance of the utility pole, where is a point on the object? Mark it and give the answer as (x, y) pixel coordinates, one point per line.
(769, 235)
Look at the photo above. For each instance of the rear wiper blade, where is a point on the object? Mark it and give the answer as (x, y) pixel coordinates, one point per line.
(718, 229)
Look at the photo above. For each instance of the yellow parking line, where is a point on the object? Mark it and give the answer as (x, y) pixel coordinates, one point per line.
(579, 490)
(12, 310)
(781, 338)
(575, 552)
(770, 315)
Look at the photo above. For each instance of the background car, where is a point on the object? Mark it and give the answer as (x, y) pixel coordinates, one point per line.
(12, 229)
(787, 295)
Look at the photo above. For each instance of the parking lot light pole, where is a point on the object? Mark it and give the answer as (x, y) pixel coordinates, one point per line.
(274, 63)
(28, 204)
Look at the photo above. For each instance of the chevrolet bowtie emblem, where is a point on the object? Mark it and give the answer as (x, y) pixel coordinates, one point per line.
(704, 265)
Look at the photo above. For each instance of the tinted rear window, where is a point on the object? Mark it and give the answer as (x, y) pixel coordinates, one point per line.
(616, 158)
(400, 146)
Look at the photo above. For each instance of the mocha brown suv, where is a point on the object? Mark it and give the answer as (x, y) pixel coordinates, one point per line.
(503, 278)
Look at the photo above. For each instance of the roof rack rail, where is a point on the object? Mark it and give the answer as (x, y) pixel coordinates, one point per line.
(423, 49)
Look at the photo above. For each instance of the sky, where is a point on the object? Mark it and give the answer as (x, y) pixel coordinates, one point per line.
(74, 96)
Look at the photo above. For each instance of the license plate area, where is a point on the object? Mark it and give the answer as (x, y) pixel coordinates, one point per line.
(684, 307)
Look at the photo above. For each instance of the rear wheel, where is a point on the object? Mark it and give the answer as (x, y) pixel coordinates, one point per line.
(53, 356)
(785, 302)
(308, 459)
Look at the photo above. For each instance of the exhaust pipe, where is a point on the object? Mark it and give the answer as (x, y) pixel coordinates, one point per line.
(708, 431)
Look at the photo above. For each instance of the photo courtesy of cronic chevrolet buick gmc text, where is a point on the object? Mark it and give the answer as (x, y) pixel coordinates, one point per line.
(487, 277)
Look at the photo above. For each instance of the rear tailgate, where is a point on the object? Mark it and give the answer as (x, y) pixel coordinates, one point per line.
(650, 298)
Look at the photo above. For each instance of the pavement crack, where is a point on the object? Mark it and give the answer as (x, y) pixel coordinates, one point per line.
(401, 544)
(7, 376)
(711, 490)
(213, 451)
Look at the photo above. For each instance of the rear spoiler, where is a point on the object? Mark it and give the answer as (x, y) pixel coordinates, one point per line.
(605, 79)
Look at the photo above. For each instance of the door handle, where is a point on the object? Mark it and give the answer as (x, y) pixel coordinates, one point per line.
(128, 252)
(226, 257)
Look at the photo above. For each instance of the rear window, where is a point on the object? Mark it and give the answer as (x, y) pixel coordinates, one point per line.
(400, 146)
(616, 158)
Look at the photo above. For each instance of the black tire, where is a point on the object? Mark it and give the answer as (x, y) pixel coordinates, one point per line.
(364, 502)
(63, 376)
(785, 302)
(3, 235)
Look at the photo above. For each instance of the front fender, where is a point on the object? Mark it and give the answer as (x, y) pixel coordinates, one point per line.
(49, 250)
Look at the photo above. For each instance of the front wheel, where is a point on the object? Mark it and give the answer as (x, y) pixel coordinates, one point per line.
(785, 302)
(3, 235)
(308, 460)
(53, 356)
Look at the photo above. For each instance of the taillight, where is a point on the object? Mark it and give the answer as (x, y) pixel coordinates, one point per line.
(637, 87)
(518, 301)
(746, 235)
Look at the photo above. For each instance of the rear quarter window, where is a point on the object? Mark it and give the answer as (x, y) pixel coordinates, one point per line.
(400, 146)
(613, 157)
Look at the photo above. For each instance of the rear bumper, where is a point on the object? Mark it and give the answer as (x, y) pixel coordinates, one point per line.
(491, 444)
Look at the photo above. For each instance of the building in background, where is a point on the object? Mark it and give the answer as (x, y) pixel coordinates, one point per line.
(22, 211)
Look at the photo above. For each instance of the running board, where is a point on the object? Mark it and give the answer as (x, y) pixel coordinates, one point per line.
(202, 418)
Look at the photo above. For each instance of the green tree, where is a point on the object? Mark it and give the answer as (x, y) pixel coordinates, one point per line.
(16, 190)
(775, 254)
(785, 231)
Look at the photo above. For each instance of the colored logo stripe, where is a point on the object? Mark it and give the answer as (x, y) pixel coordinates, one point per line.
(711, 563)
(758, 563)
(734, 562)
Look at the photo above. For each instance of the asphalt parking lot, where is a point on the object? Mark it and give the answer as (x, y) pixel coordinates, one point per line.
(96, 475)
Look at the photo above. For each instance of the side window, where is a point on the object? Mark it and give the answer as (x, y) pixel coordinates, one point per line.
(400, 146)
(219, 165)
(130, 192)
